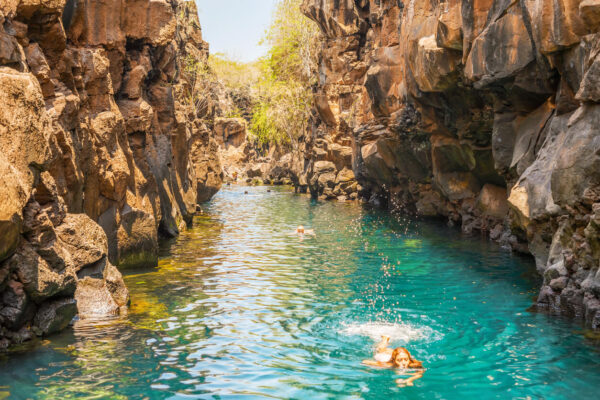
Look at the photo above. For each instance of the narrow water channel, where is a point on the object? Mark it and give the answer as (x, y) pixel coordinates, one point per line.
(239, 308)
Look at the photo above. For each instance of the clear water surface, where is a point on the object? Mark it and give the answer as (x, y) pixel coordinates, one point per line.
(239, 308)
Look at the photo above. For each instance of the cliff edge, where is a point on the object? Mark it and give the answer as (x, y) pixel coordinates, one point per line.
(102, 151)
(484, 112)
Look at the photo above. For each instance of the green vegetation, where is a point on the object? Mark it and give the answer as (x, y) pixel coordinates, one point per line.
(239, 81)
(199, 82)
(274, 93)
(234, 74)
(287, 72)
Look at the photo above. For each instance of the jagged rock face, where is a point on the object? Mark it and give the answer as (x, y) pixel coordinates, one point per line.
(484, 112)
(247, 161)
(230, 132)
(99, 151)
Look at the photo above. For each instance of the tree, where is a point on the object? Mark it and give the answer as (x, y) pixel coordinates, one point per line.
(287, 74)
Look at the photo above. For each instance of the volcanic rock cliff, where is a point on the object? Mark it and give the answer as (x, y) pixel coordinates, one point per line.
(101, 151)
(484, 112)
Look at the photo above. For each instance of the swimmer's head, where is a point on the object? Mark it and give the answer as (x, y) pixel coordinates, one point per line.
(401, 358)
(300, 229)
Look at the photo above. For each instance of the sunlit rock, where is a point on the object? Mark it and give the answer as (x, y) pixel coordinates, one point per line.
(99, 152)
(488, 63)
(230, 131)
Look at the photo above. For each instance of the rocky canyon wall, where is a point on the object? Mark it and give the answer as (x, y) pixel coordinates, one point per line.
(484, 112)
(102, 150)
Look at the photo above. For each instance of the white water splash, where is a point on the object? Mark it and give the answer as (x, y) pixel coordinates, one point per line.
(398, 332)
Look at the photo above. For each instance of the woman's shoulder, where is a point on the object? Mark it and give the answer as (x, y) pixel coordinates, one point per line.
(383, 356)
(375, 363)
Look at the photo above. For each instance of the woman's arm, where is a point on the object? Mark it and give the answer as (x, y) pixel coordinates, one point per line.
(409, 381)
(374, 363)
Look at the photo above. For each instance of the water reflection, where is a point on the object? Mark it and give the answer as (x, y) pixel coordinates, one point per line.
(238, 307)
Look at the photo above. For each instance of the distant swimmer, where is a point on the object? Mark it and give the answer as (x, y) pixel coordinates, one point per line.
(301, 231)
(398, 358)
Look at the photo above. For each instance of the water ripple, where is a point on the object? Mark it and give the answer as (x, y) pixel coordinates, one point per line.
(239, 307)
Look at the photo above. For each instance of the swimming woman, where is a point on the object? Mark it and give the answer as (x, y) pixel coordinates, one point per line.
(300, 231)
(399, 358)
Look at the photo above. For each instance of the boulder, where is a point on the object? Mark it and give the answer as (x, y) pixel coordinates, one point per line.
(257, 170)
(434, 67)
(326, 180)
(116, 285)
(83, 239)
(382, 84)
(335, 18)
(94, 300)
(449, 30)
(458, 185)
(324, 109)
(341, 156)
(375, 165)
(345, 175)
(134, 80)
(39, 279)
(407, 158)
(556, 24)
(138, 115)
(54, 316)
(449, 155)
(322, 167)
(577, 157)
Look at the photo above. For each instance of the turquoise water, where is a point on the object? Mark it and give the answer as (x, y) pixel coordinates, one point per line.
(239, 308)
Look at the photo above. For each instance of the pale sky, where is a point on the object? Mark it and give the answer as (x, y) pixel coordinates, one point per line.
(235, 27)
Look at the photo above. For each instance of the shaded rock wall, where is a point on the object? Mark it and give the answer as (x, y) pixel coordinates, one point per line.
(101, 151)
(484, 112)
